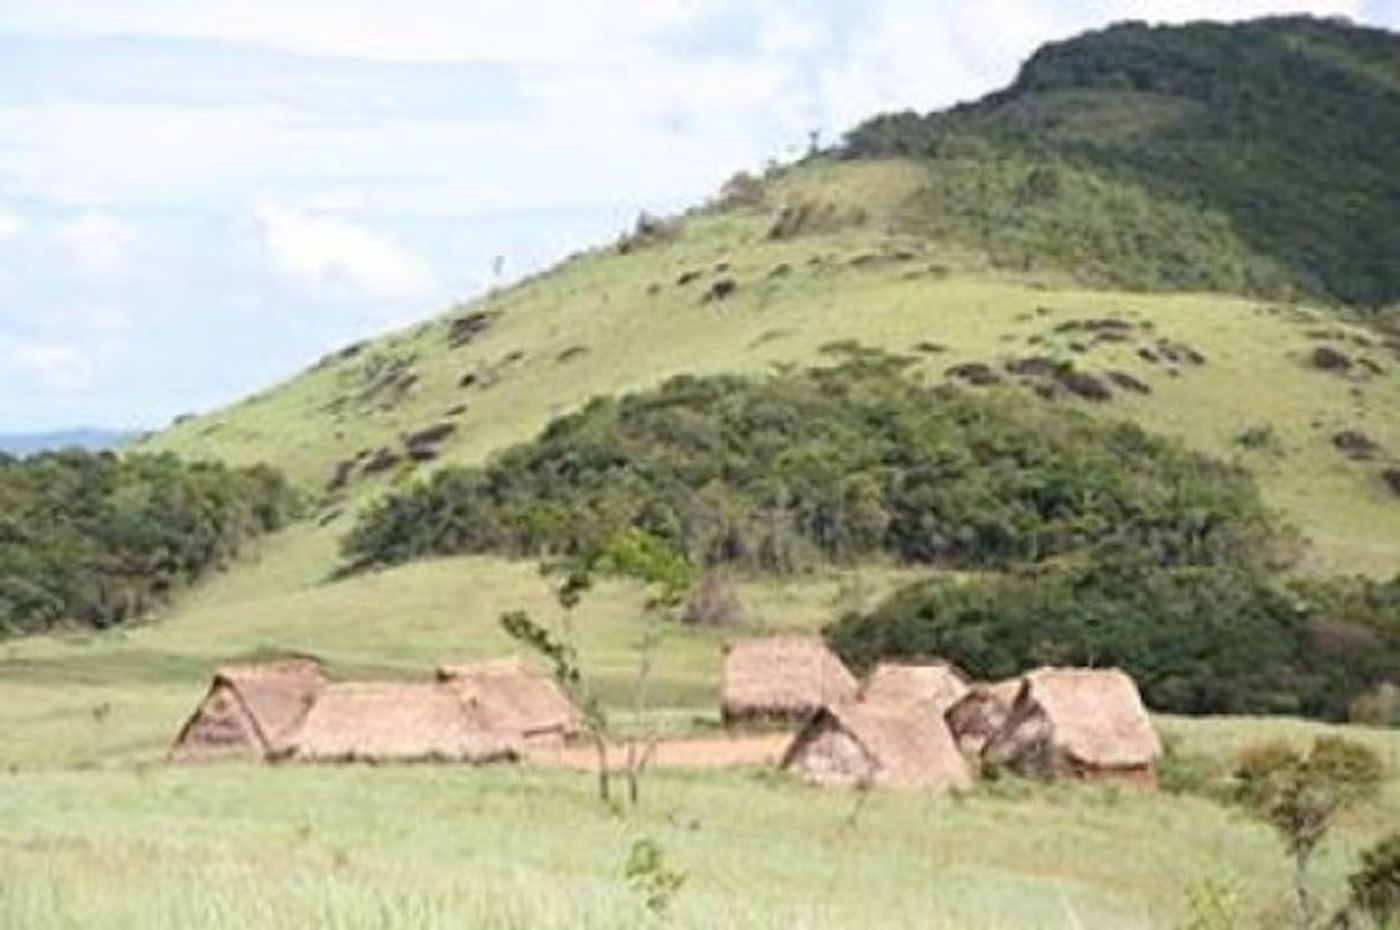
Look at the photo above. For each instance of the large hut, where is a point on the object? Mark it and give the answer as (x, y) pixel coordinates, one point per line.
(1086, 723)
(981, 713)
(867, 745)
(250, 711)
(937, 683)
(398, 722)
(782, 679)
(510, 698)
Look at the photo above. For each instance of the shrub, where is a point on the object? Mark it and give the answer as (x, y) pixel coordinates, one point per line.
(1375, 888)
(1198, 639)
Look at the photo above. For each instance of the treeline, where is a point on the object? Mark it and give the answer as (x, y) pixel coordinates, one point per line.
(840, 464)
(95, 539)
(1275, 139)
(1223, 638)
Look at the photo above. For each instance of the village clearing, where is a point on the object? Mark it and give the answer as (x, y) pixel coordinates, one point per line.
(96, 830)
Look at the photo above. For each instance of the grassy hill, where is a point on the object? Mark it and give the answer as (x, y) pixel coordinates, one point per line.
(607, 322)
(969, 257)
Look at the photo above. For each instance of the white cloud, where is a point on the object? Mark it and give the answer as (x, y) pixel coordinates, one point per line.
(328, 251)
(55, 365)
(11, 224)
(98, 242)
(421, 30)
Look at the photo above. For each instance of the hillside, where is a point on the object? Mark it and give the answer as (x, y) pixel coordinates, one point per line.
(494, 373)
(1274, 141)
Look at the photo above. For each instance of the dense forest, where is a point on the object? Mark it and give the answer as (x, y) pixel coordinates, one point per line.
(834, 464)
(1271, 143)
(94, 539)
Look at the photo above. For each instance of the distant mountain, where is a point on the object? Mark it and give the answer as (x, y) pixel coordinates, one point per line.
(81, 438)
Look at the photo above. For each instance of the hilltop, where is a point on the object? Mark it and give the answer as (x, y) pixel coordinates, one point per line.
(1266, 151)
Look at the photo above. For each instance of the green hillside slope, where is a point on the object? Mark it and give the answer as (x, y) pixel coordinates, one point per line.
(1234, 377)
(1274, 140)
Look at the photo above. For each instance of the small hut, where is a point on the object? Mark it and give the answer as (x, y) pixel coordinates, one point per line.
(937, 683)
(782, 678)
(398, 722)
(1086, 723)
(250, 711)
(513, 699)
(981, 713)
(865, 745)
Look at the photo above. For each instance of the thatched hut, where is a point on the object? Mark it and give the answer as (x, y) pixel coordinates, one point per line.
(250, 711)
(937, 683)
(866, 745)
(510, 698)
(1087, 723)
(782, 678)
(398, 722)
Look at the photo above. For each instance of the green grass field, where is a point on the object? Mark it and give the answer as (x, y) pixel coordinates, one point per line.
(96, 831)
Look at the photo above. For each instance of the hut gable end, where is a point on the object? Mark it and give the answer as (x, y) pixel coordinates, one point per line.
(250, 710)
(888, 746)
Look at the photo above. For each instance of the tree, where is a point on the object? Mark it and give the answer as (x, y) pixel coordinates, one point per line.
(562, 654)
(642, 557)
(630, 554)
(1300, 795)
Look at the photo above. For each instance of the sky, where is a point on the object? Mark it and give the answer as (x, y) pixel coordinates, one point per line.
(197, 199)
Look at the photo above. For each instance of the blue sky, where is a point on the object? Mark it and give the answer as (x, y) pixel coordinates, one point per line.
(197, 199)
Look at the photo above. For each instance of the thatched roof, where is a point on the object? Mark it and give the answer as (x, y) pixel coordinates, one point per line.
(1082, 720)
(251, 709)
(784, 677)
(879, 745)
(511, 698)
(397, 722)
(908, 683)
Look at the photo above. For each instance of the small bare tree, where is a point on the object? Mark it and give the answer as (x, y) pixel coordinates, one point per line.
(668, 576)
(638, 556)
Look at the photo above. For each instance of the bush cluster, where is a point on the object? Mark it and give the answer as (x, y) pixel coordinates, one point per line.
(1220, 638)
(832, 465)
(95, 539)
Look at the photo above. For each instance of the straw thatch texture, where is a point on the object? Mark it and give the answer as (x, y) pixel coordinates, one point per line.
(250, 711)
(900, 683)
(782, 678)
(394, 722)
(510, 698)
(881, 746)
(981, 713)
(1081, 722)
